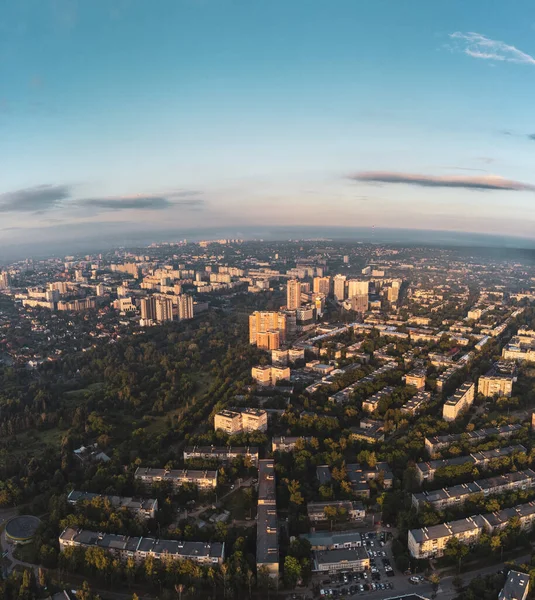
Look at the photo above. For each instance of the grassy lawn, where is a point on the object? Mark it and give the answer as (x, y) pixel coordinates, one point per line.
(239, 506)
(82, 393)
(27, 553)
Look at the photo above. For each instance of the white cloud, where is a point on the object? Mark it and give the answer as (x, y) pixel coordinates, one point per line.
(480, 46)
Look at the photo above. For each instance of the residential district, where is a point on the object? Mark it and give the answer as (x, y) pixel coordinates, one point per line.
(310, 418)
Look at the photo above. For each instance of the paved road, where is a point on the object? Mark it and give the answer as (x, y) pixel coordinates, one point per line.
(11, 559)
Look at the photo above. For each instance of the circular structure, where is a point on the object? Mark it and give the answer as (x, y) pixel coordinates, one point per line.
(20, 530)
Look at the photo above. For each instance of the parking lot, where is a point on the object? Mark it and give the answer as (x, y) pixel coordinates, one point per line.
(381, 578)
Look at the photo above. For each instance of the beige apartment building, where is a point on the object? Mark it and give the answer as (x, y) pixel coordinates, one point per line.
(322, 285)
(177, 477)
(416, 378)
(241, 420)
(266, 375)
(495, 385)
(460, 401)
(264, 321)
(430, 542)
(293, 294)
(268, 340)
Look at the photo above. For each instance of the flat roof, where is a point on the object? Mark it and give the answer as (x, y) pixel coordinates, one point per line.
(338, 555)
(266, 480)
(516, 585)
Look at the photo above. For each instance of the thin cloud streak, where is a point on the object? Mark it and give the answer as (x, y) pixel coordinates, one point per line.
(480, 46)
(38, 198)
(482, 182)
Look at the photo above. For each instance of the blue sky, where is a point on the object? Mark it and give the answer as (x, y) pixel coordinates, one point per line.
(198, 113)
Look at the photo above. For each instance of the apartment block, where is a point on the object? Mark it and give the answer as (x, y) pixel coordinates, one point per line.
(238, 420)
(430, 542)
(416, 378)
(204, 480)
(500, 519)
(457, 495)
(267, 528)
(436, 444)
(416, 404)
(426, 470)
(370, 404)
(459, 402)
(498, 381)
(268, 375)
(319, 511)
(221, 454)
(144, 508)
(140, 548)
(264, 321)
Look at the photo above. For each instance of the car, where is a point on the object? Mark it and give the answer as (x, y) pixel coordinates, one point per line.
(232, 486)
(322, 592)
(421, 578)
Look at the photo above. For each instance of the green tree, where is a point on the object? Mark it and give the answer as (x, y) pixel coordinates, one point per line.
(292, 571)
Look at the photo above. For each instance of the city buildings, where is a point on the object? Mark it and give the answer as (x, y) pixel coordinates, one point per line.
(322, 285)
(331, 540)
(267, 527)
(371, 403)
(459, 402)
(140, 548)
(238, 420)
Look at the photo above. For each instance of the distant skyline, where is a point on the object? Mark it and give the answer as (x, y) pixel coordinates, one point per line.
(120, 115)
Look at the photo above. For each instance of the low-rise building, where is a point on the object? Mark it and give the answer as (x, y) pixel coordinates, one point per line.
(457, 495)
(140, 548)
(332, 540)
(324, 511)
(286, 443)
(430, 542)
(144, 508)
(426, 470)
(370, 431)
(497, 521)
(416, 404)
(267, 528)
(222, 454)
(341, 559)
(516, 586)
(371, 403)
(204, 480)
(459, 402)
(436, 444)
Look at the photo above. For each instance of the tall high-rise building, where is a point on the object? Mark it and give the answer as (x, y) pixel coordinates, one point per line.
(185, 307)
(357, 288)
(340, 287)
(5, 281)
(148, 308)
(293, 294)
(164, 309)
(393, 291)
(322, 285)
(264, 321)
